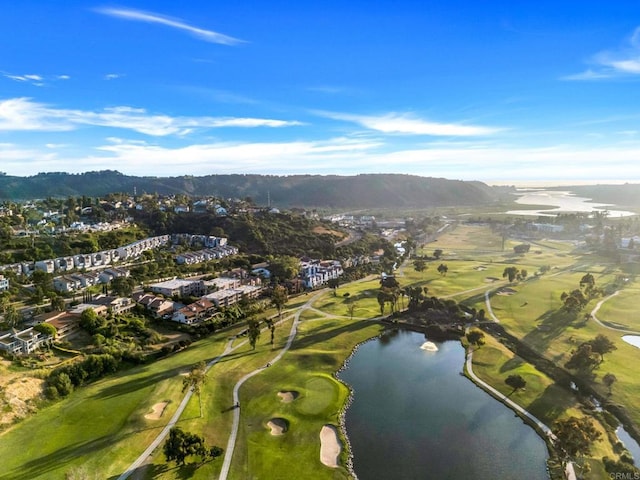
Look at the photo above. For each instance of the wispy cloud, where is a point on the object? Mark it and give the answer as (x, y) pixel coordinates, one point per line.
(34, 79)
(620, 62)
(113, 76)
(149, 17)
(405, 124)
(27, 115)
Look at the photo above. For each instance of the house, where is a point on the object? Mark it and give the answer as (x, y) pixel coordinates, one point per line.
(111, 273)
(66, 323)
(63, 264)
(195, 312)
(66, 284)
(4, 283)
(116, 304)
(23, 342)
(315, 272)
(180, 288)
(45, 265)
(222, 283)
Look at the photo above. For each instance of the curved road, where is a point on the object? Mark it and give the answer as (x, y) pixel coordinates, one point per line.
(597, 307)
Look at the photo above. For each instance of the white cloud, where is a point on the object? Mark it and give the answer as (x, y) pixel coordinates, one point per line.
(149, 17)
(342, 156)
(112, 76)
(25, 114)
(405, 124)
(34, 78)
(613, 63)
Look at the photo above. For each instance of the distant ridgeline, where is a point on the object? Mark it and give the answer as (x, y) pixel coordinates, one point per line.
(359, 191)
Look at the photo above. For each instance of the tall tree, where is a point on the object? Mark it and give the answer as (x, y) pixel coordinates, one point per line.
(575, 436)
(583, 359)
(511, 273)
(517, 382)
(253, 332)
(419, 265)
(279, 298)
(475, 336)
(609, 379)
(351, 308)
(443, 269)
(601, 345)
(334, 283)
(195, 379)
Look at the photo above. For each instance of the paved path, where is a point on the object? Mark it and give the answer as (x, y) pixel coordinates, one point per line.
(176, 416)
(597, 307)
(228, 456)
(569, 471)
(487, 302)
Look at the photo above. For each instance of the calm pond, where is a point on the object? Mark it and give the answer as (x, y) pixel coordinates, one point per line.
(414, 416)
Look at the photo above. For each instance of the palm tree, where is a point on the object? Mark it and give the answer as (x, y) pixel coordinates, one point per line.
(195, 379)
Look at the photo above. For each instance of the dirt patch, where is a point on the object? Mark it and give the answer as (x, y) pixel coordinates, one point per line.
(506, 291)
(278, 426)
(481, 268)
(156, 411)
(330, 446)
(321, 230)
(288, 396)
(491, 279)
(17, 400)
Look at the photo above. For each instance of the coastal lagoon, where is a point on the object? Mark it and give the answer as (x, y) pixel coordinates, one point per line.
(561, 202)
(414, 415)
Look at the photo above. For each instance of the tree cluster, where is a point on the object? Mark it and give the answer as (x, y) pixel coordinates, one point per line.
(590, 354)
(63, 380)
(181, 445)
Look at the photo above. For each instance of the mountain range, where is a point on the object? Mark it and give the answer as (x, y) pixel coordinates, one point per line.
(359, 191)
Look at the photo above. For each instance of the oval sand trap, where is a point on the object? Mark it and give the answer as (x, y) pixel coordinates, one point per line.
(278, 426)
(156, 411)
(288, 396)
(330, 446)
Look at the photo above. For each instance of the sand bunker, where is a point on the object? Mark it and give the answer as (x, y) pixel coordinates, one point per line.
(429, 347)
(288, 396)
(506, 291)
(278, 426)
(156, 411)
(491, 279)
(481, 268)
(330, 446)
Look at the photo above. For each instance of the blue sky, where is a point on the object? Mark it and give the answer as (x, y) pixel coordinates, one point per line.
(491, 91)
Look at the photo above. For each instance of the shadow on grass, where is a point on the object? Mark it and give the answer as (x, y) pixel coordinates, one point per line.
(41, 465)
(551, 325)
(553, 402)
(511, 364)
(147, 471)
(137, 383)
(323, 333)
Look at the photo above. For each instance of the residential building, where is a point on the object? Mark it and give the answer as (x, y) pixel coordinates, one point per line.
(179, 287)
(4, 283)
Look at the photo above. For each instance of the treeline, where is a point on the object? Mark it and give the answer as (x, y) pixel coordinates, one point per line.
(359, 191)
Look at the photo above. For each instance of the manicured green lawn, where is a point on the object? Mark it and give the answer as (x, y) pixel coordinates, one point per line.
(493, 363)
(101, 426)
(320, 349)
